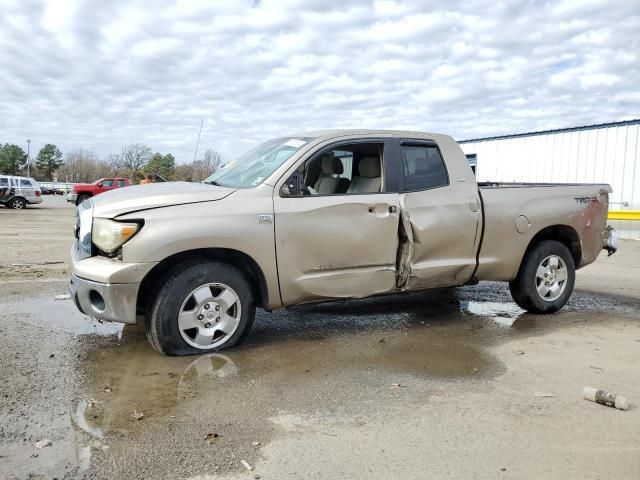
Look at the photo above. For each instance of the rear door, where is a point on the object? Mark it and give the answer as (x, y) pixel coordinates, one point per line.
(338, 245)
(27, 189)
(441, 218)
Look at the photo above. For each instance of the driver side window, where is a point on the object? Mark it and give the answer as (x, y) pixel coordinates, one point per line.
(346, 169)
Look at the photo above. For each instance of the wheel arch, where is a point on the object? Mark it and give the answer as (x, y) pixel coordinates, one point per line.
(564, 234)
(236, 258)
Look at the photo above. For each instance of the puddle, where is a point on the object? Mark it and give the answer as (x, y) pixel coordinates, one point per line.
(59, 315)
(504, 314)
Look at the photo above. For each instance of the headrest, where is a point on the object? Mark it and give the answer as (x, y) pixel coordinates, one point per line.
(331, 165)
(369, 167)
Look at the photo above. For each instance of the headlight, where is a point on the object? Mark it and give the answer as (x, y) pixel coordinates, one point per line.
(108, 235)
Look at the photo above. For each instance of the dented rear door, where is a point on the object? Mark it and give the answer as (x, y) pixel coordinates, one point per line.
(441, 216)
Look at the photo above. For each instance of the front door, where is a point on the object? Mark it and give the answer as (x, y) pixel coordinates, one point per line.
(341, 243)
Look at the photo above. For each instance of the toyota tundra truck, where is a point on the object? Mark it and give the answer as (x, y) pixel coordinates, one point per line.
(321, 216)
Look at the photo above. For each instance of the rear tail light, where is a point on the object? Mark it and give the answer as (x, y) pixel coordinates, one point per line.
(38, 193)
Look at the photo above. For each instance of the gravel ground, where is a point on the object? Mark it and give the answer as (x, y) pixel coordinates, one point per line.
(442, 384)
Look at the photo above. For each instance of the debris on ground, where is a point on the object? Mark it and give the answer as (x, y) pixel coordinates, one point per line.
(107, 389)
(520, 352)
(45, 442)
(51, 355)
(98, 445)
(255, 444)
(398, 385)
(210, 437)
(543, 395)
(246, 465)
(136, 416)
(381, 340)
(605, 398)
(64, 296)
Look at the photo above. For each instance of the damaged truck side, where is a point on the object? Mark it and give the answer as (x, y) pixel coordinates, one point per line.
(321, 216)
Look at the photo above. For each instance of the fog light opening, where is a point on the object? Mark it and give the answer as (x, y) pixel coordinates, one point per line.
(97, 302)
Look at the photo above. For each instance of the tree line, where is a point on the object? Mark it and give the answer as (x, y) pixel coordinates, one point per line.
(82, 166)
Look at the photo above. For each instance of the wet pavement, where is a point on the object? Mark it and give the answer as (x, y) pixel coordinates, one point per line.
(84, 380)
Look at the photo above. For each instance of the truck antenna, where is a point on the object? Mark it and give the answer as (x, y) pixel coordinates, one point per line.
(198, 142)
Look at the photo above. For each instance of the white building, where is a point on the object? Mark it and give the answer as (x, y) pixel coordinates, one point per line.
(605, 153)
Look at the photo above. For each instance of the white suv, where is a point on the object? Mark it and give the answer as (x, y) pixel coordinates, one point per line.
(18, 192)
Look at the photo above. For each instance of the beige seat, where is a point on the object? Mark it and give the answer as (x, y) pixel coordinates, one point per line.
(368, 179)
(328, 182)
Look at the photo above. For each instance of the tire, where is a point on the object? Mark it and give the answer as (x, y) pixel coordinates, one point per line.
(17, 203)
(182, 291)
(546, 278)
(82, 198)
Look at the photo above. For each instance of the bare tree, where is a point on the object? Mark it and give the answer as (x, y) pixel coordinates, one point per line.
(198, 170)
(213, 158)
(131, 161)
(82, 166)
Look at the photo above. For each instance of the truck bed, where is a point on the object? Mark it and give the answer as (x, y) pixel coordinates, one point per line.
(487, 185)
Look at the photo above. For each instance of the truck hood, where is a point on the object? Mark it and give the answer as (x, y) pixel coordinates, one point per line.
(143, 197)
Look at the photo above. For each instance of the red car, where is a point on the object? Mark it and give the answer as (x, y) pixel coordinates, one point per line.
(82, 191)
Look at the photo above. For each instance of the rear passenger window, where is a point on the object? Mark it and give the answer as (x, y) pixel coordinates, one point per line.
(25, 183)
(423, 167)
(122, 183)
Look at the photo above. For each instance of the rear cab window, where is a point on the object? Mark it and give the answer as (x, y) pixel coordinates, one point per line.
(25, 182)
(422, 166)
(122, 183)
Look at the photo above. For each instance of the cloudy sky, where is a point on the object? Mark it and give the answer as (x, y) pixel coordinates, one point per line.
(99, 74)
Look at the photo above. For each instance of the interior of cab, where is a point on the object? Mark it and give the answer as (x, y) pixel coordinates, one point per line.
(347, 169)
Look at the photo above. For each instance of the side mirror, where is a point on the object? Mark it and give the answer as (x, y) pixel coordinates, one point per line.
(294, 186)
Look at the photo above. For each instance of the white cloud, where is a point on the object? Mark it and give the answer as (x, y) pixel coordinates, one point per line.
(100, 74)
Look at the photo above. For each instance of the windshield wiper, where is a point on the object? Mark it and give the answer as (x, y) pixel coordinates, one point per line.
(213, 182)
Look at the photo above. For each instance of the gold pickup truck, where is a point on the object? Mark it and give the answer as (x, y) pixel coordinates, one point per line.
(320, 216)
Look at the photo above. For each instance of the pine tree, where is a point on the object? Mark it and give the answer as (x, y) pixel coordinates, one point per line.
(49, 159)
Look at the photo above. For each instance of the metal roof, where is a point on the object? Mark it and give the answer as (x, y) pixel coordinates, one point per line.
(558, 130)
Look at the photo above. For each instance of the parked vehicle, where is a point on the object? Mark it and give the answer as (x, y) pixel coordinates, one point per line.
(82, 191)
(321, 216)
(19, 191)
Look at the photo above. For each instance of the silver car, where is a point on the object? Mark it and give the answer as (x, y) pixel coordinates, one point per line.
(18, 192)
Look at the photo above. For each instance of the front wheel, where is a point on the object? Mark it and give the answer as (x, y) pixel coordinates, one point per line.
(203, 306)
(546, 278)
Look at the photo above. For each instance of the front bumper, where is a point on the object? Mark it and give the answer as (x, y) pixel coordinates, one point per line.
(106, 288)
(72, 197)
(115, 302)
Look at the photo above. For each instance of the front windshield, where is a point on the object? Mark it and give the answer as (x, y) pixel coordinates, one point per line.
(251, 168)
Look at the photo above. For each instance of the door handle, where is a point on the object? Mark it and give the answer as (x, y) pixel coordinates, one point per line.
(378, 209)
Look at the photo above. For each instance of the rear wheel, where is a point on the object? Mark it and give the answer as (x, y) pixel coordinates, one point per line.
(546, 278)
(202, 306)
(17, 203)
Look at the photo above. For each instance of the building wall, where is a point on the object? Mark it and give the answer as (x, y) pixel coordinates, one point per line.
(609, 154)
